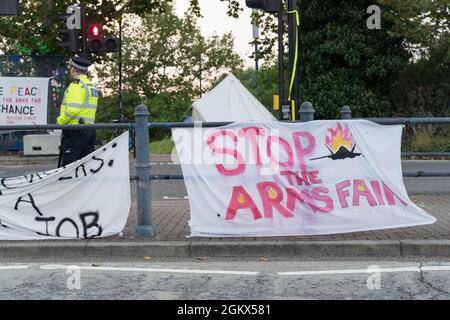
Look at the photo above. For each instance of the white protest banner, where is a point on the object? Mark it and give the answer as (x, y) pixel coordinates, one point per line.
(23, 100)
(274, 179)
(88, 198)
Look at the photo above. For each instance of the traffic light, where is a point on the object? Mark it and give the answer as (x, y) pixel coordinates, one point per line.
(270, 6)
(68, 37)
(9, 7)
(95, 30)
(95, 37)
(98, 42)
(276, 6)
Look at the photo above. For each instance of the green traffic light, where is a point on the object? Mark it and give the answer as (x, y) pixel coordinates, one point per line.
(43, 49)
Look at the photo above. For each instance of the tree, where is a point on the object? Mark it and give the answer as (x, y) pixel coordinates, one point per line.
(423, 88)
(342, 62)
(37, 25)
(263, 84)
(423, 23)
(167, 64)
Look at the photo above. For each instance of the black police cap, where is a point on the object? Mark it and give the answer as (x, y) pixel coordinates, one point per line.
(81, 63)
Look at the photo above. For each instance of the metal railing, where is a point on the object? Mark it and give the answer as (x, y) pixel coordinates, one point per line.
(142, 164)
(346, 114)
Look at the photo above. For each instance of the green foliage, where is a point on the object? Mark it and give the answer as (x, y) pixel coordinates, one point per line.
(233, 8)
(402, 69)
(426, 138)
(164, 146)
(420, 22)
(35, 30)
(263, 84)
(167, 64)
(342, 62)
(423, 89)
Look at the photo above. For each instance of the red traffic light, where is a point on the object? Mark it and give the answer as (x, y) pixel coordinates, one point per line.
(95, 30)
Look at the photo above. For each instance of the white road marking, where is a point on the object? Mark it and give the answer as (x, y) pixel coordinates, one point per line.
(436, 268)
(163, 163)
(426, 161)
(417, 269)
(13, 267)
(367, 270)
(154, 270)
(174, 198)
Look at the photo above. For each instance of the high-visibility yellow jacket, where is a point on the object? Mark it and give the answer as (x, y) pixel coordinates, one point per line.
(79, 102)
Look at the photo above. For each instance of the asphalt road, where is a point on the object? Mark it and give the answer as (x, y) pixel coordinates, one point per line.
(242, 280)
(207, 278)
(175, 189)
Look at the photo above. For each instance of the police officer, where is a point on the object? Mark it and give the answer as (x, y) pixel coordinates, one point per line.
(79, 106)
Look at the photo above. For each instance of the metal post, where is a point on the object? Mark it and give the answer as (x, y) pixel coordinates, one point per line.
(120, 69)
(255, 38)
(256, 57)
(201, 90)
(292, 24)
(306, 112)
(346, 112)
(145, 227)
(83, 29)
(280, 60)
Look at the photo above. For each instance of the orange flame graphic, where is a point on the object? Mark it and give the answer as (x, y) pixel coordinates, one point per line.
(341, 137)
(273, 194)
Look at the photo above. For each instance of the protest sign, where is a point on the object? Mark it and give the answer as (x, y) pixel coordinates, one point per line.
(86, 199)
(314, 178)
(23, 100)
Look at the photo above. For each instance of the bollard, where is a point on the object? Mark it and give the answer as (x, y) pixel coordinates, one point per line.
(306, 112)
(145, 227)
(346, 112)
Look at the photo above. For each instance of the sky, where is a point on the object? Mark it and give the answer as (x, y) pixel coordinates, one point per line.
(215, 20)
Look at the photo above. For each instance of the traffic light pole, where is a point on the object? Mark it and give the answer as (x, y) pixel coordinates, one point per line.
(83, 29)
(256, 57)
(120, 69)
(292, 6)
(255, 38)
(280, 62)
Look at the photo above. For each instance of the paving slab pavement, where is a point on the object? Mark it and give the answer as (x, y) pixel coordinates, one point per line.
(171, 218)
(172, 237)
(172, 240)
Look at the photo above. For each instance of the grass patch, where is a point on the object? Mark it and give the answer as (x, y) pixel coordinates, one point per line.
(162, 146)
(424, 139)
(427, 139)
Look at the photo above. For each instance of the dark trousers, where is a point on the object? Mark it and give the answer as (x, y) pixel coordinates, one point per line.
(76, 144)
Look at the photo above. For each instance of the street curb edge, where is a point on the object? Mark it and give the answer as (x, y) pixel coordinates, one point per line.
(186, 249)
